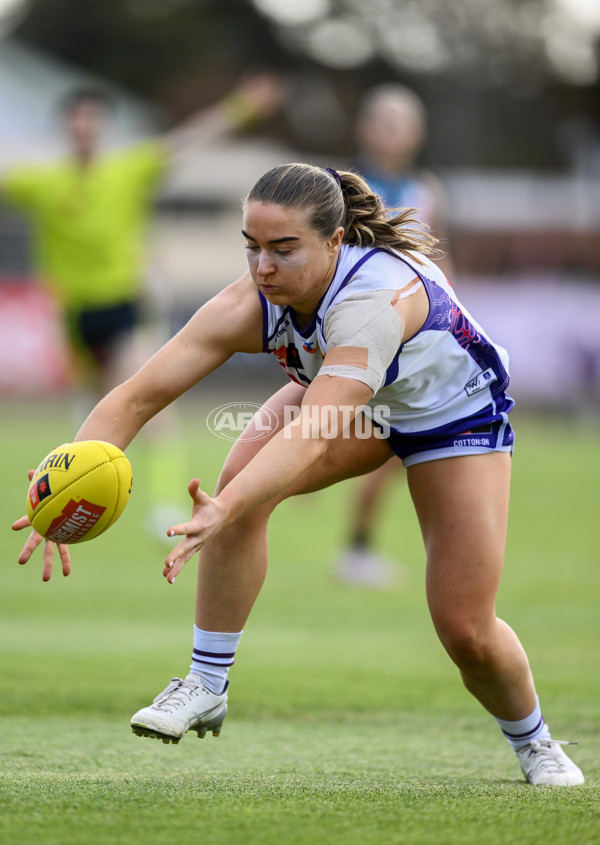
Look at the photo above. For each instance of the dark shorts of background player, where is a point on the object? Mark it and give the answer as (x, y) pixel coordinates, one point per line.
(494, 436)
(98, 330)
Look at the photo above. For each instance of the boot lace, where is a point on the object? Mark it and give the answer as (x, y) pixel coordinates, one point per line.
(545, 757)
(176, 695)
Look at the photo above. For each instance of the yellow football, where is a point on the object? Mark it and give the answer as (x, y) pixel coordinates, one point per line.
(78, 491)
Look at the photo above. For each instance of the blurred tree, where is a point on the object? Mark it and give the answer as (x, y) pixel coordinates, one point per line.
(151, 45)
(500, 77)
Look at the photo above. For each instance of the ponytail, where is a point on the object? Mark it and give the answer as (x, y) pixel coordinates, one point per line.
(368, 222)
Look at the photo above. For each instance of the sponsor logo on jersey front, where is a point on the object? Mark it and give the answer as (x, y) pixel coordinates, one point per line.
(289, 358)
(283, 328)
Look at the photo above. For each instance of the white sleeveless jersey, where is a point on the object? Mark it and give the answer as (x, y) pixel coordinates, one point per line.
(448, 372)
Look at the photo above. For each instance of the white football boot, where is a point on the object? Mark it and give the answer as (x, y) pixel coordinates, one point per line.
(183, 706)
(544, 763)
(363, 568)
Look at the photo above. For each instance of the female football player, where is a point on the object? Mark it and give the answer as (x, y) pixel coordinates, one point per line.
(383, 359)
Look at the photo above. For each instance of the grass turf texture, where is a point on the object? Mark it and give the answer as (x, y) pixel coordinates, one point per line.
(347, 722)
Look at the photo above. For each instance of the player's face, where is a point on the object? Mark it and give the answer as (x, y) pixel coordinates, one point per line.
(84, 126)
(391, 129)
(290, 263)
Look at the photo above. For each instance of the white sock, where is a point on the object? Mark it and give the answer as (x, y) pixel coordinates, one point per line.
(213, 657)
(525, 730)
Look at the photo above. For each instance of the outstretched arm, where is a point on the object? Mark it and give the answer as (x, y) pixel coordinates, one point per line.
(330, 405)
(228, 323)
(364, 333)
(253, 99)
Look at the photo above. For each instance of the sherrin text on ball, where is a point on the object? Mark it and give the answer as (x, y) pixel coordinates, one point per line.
(78, 491)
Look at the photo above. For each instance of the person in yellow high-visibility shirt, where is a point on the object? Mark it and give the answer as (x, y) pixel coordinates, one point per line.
(89, 213)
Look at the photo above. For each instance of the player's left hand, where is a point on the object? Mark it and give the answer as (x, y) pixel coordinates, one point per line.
(208, 517)
(35, 540)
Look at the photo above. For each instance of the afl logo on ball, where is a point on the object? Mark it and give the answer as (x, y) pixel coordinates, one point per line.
(40, 491)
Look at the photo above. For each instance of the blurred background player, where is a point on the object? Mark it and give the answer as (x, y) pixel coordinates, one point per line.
(390, 132)
(89, 213)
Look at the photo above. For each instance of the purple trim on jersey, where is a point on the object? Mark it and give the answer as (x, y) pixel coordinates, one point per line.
(446, 315)
(494, 431)
(310, 329)
(265, 322)
(357, 267)
(288, 314)
(500, 438)
(391, 374)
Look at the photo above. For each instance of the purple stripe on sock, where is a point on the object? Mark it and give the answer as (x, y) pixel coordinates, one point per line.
(524, 736)
(216, 654)
(210, 658)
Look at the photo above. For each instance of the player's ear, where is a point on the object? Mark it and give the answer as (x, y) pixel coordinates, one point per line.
(335, 241)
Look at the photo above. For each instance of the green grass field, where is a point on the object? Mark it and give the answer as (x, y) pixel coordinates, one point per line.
(347, 722)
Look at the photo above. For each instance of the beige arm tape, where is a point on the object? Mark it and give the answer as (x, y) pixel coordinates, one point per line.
(363, 335)
(349, 356)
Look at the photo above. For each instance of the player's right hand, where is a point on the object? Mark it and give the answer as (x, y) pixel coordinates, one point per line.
(208, 518)
(35, 540)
